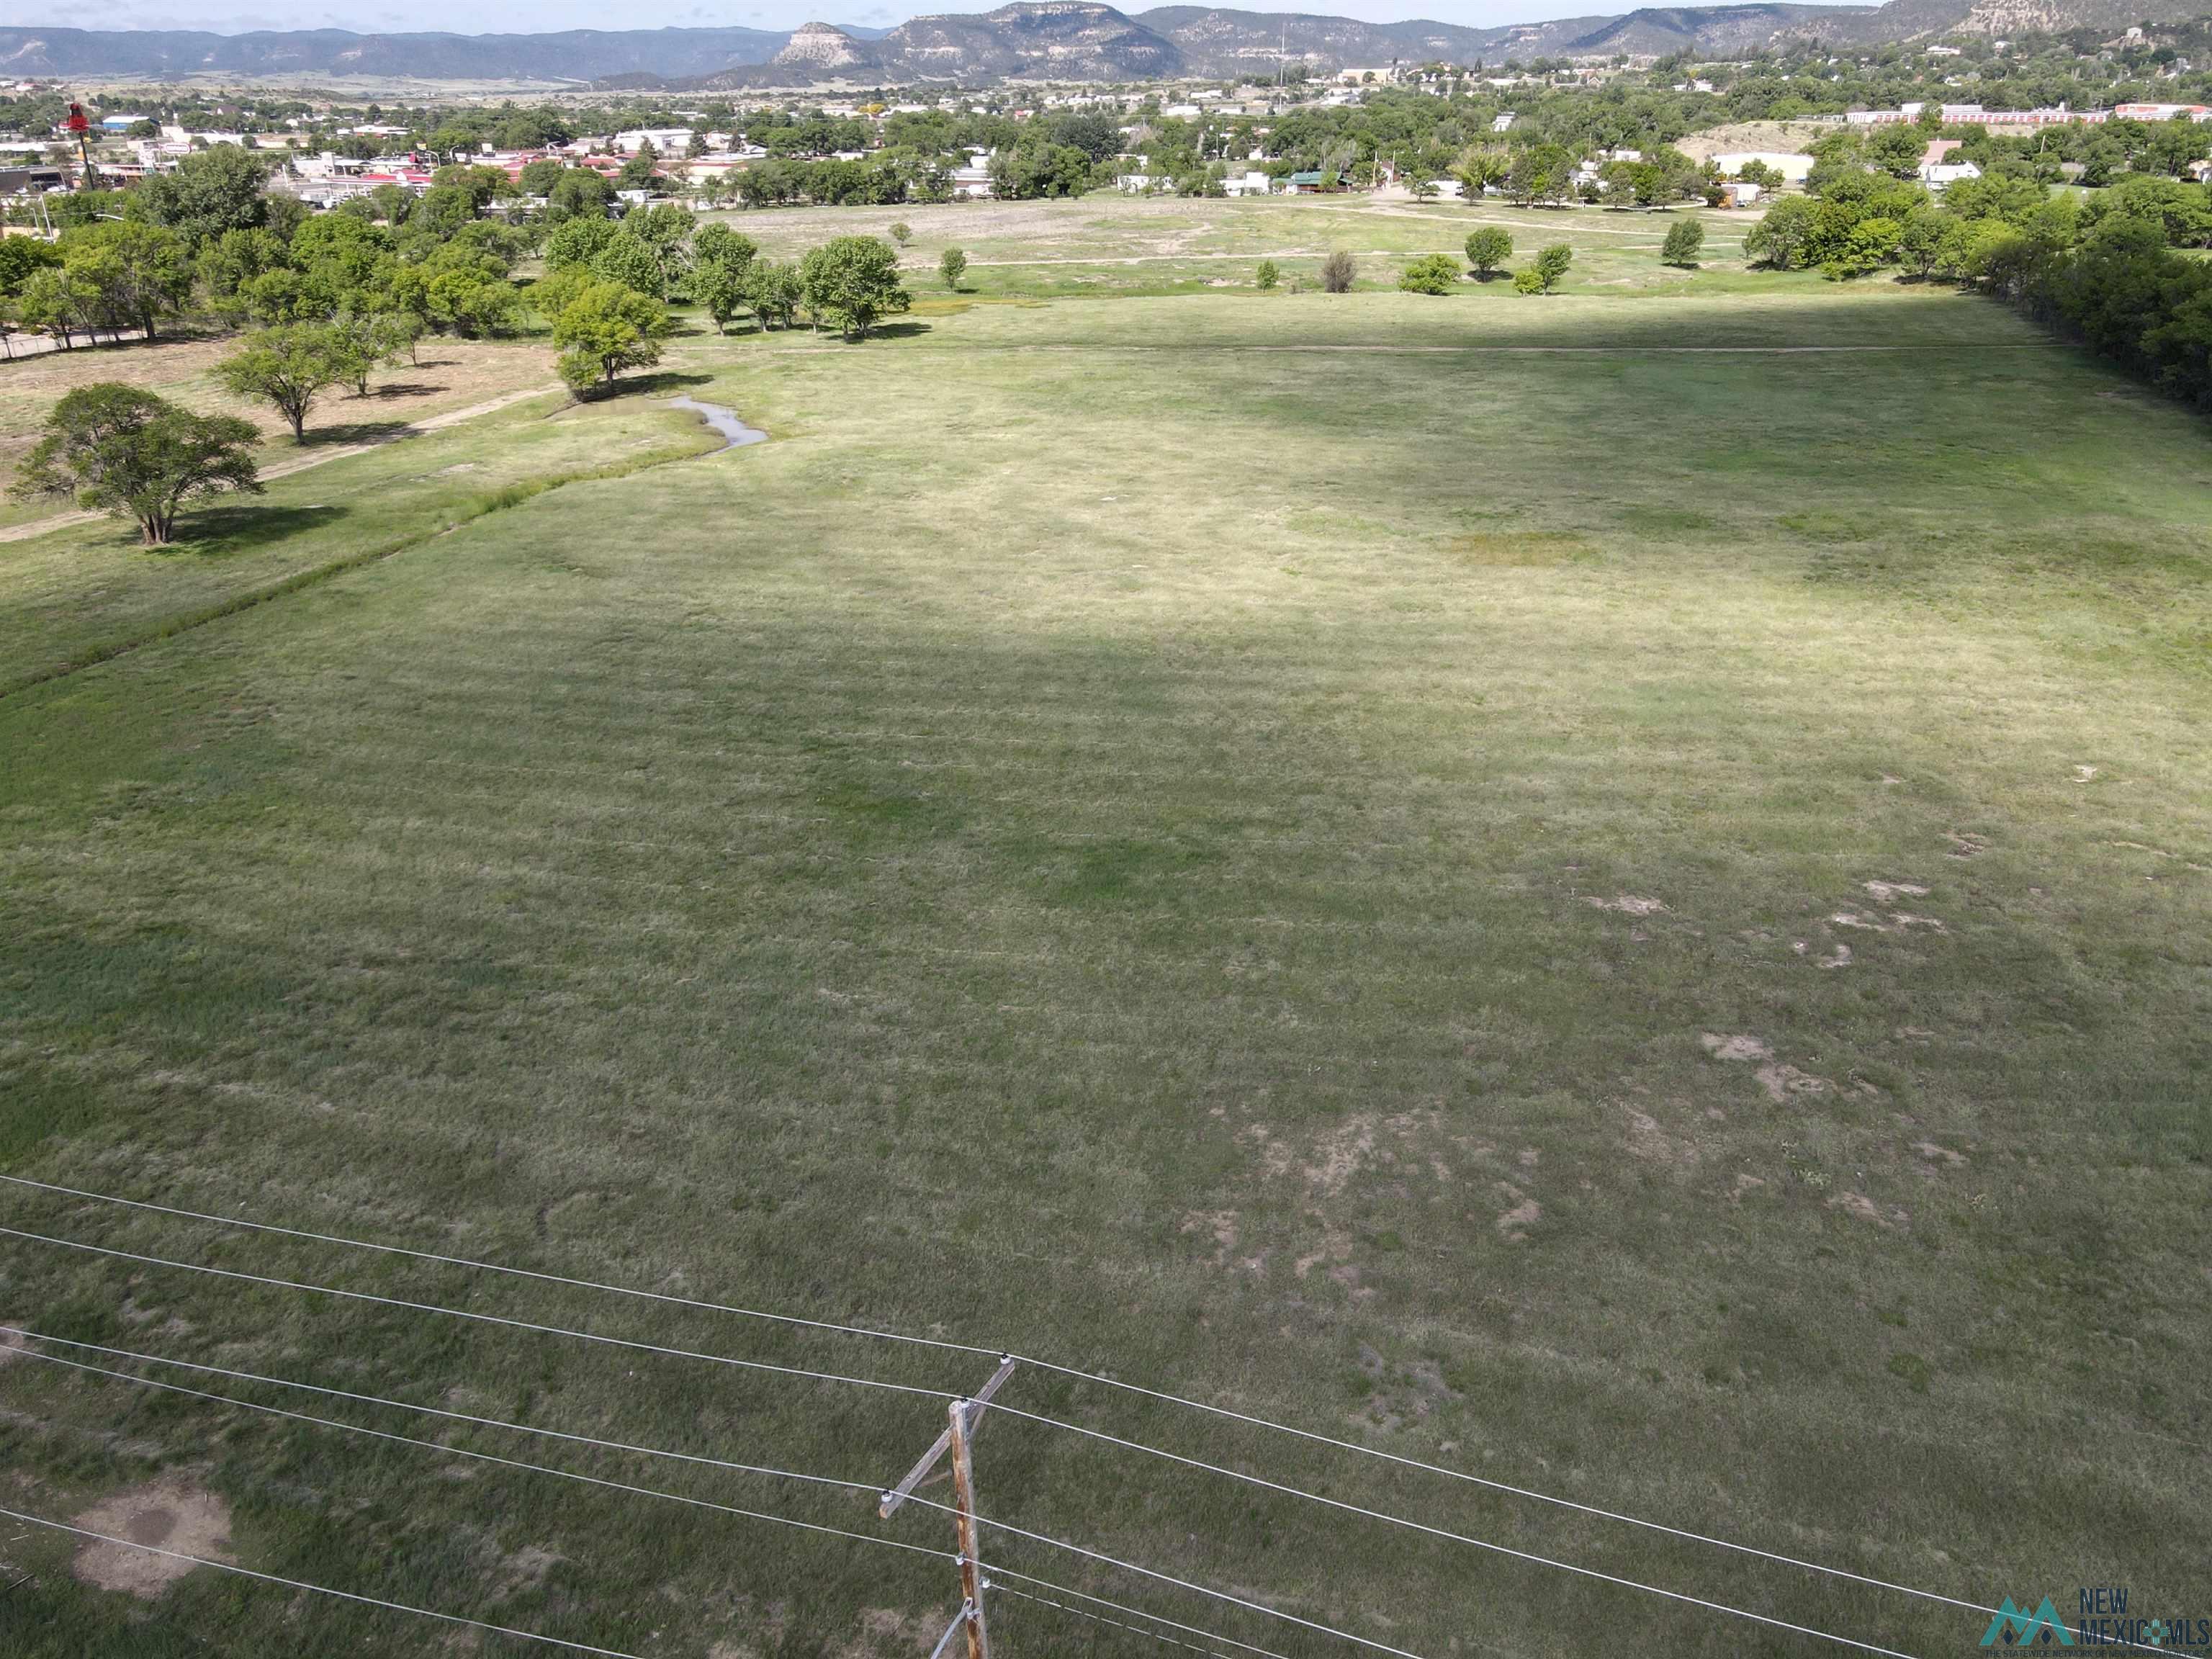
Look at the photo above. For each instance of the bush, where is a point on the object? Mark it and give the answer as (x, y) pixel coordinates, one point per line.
(1685, 240)
(1488, 248)
(1432, 273)
(952, 265)
(1551, 264)
(1267, 275)
(901, 233)
(1338, 272)
(1527, 281)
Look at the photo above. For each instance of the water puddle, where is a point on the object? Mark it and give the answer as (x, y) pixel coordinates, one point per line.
(735, 433)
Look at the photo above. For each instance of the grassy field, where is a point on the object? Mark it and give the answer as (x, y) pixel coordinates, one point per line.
(1098, 246)
(1612, 894)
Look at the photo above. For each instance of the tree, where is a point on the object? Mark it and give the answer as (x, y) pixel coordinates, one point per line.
(607, 328)
(952, 265)
(288, 366)
(1266, 276)
(121, 449)
(852, 282)
(1685, 240)
(1528, 280)
(774, 292)
(579, 193)
(1783, 233)
(1926, 240)
(902, 232)
(721, 288)
(1338, 272)
(627, 260)
(641, 170)
(58, 301)
(1552, 263)
(140, 271)
(579, 241)
(1432, 273)
(718, 245)
(208, 192)
(1488, 248)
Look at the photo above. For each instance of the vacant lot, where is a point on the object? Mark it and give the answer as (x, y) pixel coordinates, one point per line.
(1569, 887)
(1097, 246)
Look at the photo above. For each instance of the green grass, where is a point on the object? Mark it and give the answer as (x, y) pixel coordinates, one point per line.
(1108, 834)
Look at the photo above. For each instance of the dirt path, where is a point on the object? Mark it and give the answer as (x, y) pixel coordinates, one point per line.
(285, 469)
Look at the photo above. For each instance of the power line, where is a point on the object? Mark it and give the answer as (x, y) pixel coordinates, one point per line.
(489, 1457)
(482, 1318)
(1100, 1619)
(1596, 1511)
(436, 1411)
(497, 1267)
(1420, 1527)
(1592, 1509)
(317, 1590)
(1100, 1600)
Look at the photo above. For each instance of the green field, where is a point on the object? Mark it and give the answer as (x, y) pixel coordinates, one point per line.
(1230, 840)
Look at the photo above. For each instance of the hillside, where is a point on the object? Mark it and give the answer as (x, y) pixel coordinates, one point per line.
(573, 55)
(1060, 39)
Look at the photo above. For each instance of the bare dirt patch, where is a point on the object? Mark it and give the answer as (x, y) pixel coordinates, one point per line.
(1888, 892)
(1781, 1082)
(1628, 904)
(170, 1514)
(1734, 1048)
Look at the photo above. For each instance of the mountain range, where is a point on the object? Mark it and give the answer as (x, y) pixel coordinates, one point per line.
(1040, 39)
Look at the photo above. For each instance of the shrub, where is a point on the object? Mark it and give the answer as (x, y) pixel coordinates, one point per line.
(952, 265)
(1685, 240)
(1488, 248)
(1432, 273)
(901, 233)
(1338, 272)
(1267, 275)
(1527, 281)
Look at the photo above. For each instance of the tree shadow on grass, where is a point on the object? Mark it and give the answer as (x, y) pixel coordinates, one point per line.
(667, 382)
(352, 432)
(899, 330)
(215, 532)
(402, 389)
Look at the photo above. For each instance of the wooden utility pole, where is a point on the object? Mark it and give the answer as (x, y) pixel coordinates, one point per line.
(963, 1503)
(963, 1418)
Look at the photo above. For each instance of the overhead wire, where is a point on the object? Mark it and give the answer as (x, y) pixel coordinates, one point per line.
(1073, 1372)
(500, 1267)
(490, 1457)
(1527, 1556)
(1100, 1619)
(440, 1412)
(317, 1589)
(480, 1318)
(1594, 1510)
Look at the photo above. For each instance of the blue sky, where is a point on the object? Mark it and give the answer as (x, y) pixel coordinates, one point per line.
(491, 16)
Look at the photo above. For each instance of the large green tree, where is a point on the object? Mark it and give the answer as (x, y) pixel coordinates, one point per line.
(852, 283)
(121, 449)
(208, 192)
(288, 368)
(607, 328)
(143, 272)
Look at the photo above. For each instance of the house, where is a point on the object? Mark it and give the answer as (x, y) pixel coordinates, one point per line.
(1503, 122)
(1937, 175)
(972, 183)
(665, 141)
(1739, 195)
(1136, 183)
(1248, 183)
(1309, 184)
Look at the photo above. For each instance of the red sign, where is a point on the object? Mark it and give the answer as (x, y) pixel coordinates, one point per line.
(77, 123)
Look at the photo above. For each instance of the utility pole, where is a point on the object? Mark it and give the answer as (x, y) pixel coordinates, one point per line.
(963, 1417)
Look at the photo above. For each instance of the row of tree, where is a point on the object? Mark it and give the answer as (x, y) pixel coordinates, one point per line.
(2109, 271)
